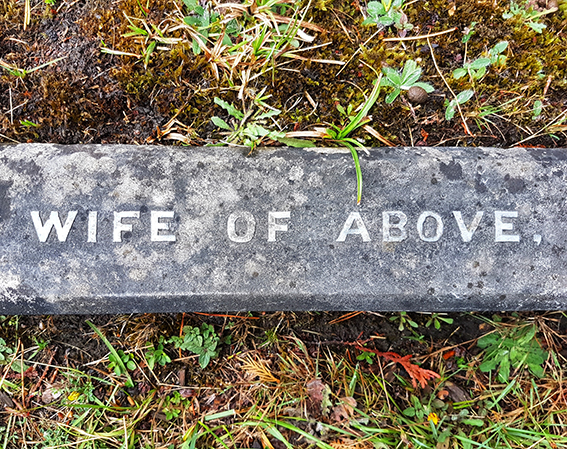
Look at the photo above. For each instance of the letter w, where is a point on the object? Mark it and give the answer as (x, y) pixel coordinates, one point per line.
(43, 230)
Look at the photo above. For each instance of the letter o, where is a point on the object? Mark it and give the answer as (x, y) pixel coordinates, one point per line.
(438, 230)
(250, 222)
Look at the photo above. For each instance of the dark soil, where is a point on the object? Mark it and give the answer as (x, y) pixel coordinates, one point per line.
(71, 339)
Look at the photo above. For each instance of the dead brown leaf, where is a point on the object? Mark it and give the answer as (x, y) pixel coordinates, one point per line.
(318, 393)
(344, 411)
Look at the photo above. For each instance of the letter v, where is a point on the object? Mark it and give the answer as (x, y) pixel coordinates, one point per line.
(467, 233)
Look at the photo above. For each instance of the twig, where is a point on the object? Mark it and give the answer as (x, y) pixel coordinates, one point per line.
(27, 14)
(360, 47)
(41, 379)
(377, 135)
(547, 84)
(384, 383)
(9, 138)
(467, 130)
(227, 316)
(541, 131)
(345, 317)
(22, 372)
(415, 38)
(9, 365)
(11, 106)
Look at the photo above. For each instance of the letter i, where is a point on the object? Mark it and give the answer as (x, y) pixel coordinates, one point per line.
(92, 224)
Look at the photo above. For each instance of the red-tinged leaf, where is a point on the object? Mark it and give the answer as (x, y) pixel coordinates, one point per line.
(415, 373)
(448, 355)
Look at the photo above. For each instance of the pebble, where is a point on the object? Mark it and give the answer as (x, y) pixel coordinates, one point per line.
(417, 95)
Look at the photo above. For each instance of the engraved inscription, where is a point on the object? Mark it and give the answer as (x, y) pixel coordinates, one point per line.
(249, 222)
(400, 234)
(120, 227)
(92, 224)
(438, 226)
(44, 229)
(159, 226)
(467, 232)
(241, 226)
(500, 226)
(274, 226)
(360, 229)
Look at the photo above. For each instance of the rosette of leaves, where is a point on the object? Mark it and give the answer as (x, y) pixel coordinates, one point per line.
(404, 81)
(476, 69)
(514, 349)
(202, 341)
(157, 355)
(524, 12)
(249, 127)
(387, 13)
(206, 22)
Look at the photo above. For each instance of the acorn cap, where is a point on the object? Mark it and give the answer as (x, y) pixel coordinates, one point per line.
(417, 95)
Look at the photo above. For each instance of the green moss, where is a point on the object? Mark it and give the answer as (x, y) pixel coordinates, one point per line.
(110, 97)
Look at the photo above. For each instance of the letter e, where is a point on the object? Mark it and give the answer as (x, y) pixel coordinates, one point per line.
(501, 226)
(157, 225)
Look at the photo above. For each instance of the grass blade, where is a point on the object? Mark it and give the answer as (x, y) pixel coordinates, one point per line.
(357, 121)
(129, 382)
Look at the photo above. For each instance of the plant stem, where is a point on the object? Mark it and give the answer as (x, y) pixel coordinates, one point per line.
(119, 361)
(467, 130)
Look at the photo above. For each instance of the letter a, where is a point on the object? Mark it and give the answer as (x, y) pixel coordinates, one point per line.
(360, 228)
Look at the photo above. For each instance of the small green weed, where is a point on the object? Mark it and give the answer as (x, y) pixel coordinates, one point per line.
(148, 36)
(513, 348)
(417, 409)
(249, 128)
(117, 364)
(21, 73)
(462, 97)
(436, 319)
(476, 69)
(6, 352)
(202, 341)
(203, 21)
(157, 356)
(340, 135)
(28, 124)
(115, 357)
(173, 405)
(366, 356)
(537, 109)
(408, 78)
(404, 320)
(387, 13)
(469, 31)
(524, 13)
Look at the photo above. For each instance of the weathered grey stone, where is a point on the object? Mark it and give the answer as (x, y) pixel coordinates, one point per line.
(206, 229)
